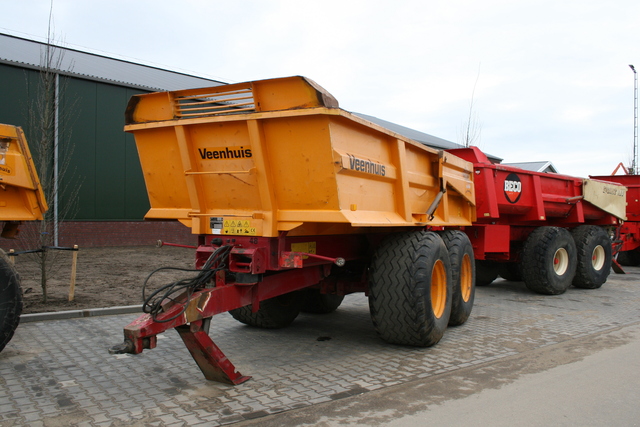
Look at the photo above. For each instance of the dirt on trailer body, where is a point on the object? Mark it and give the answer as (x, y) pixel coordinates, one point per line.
(105, 277)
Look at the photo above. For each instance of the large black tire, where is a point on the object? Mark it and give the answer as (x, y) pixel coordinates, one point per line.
(629, 258)
(593, 247)
(549, 260)
(318, 303)
(486, 272)
(463, 270)
(274, 313)
(510, 271)
(11, 300)
(410, 289)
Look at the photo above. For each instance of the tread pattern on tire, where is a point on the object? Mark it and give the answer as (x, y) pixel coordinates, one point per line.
(587, 237)
(400, 292)
(486, 272)
(10, 300)
(537, 260)
(458, 244)
(511, 271)
(274, 313)
(319, 303)
(629, 258)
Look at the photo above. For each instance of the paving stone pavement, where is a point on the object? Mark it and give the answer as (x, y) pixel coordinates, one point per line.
(59, 372)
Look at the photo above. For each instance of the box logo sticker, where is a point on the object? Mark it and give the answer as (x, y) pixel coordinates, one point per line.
(512, 188)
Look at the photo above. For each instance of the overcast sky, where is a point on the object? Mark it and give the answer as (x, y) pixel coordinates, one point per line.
(549, 79)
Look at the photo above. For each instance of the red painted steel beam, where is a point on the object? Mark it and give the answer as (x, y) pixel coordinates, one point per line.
(209, 302)
(187, 318)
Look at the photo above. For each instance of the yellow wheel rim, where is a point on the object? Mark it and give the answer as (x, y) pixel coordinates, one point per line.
(438, 288)
(466, 278)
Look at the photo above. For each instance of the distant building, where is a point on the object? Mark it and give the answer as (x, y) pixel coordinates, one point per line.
(104, 166)
(546, 167)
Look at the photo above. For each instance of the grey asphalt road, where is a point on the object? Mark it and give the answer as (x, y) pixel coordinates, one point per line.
(592, 381)
(600, 390)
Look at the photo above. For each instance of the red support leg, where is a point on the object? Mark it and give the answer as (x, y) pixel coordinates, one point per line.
(188, 315)
(617, 268)
(210, 359)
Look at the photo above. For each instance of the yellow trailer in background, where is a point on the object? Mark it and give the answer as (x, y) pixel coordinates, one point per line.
(296, 203)
(21, 195)
(21, 199)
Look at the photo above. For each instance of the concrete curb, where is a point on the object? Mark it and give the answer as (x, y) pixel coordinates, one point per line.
(74, 314)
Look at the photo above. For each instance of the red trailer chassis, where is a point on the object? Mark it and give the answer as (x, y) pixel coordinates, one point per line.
(254, 269)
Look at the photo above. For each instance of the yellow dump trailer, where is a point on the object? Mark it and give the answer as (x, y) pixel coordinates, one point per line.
(21, 199)
(21, 196)
(296, 203)
(278, 155)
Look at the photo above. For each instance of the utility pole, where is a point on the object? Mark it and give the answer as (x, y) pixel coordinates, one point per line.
(634, 163)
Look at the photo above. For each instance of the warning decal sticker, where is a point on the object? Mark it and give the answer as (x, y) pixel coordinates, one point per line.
(238, 227)
(307, 247)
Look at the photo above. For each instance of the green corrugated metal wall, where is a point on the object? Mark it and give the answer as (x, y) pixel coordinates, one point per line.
(103, 165)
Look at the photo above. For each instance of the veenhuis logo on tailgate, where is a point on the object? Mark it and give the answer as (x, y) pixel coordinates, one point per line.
(512, 188)
(225, 153)
(367, 166)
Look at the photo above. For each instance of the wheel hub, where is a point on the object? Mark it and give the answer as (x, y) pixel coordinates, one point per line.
(438, 288)
(561, 261)
(598, 258)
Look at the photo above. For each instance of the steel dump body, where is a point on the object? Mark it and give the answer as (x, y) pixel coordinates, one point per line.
(21, 195)
(632, 183)
(511, 202)
(260, 158)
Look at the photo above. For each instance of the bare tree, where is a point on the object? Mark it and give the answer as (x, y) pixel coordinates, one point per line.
(471, 127)
(48, 125)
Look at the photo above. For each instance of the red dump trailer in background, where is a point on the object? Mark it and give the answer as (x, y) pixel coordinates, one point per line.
(627, 243)
(546, 229)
